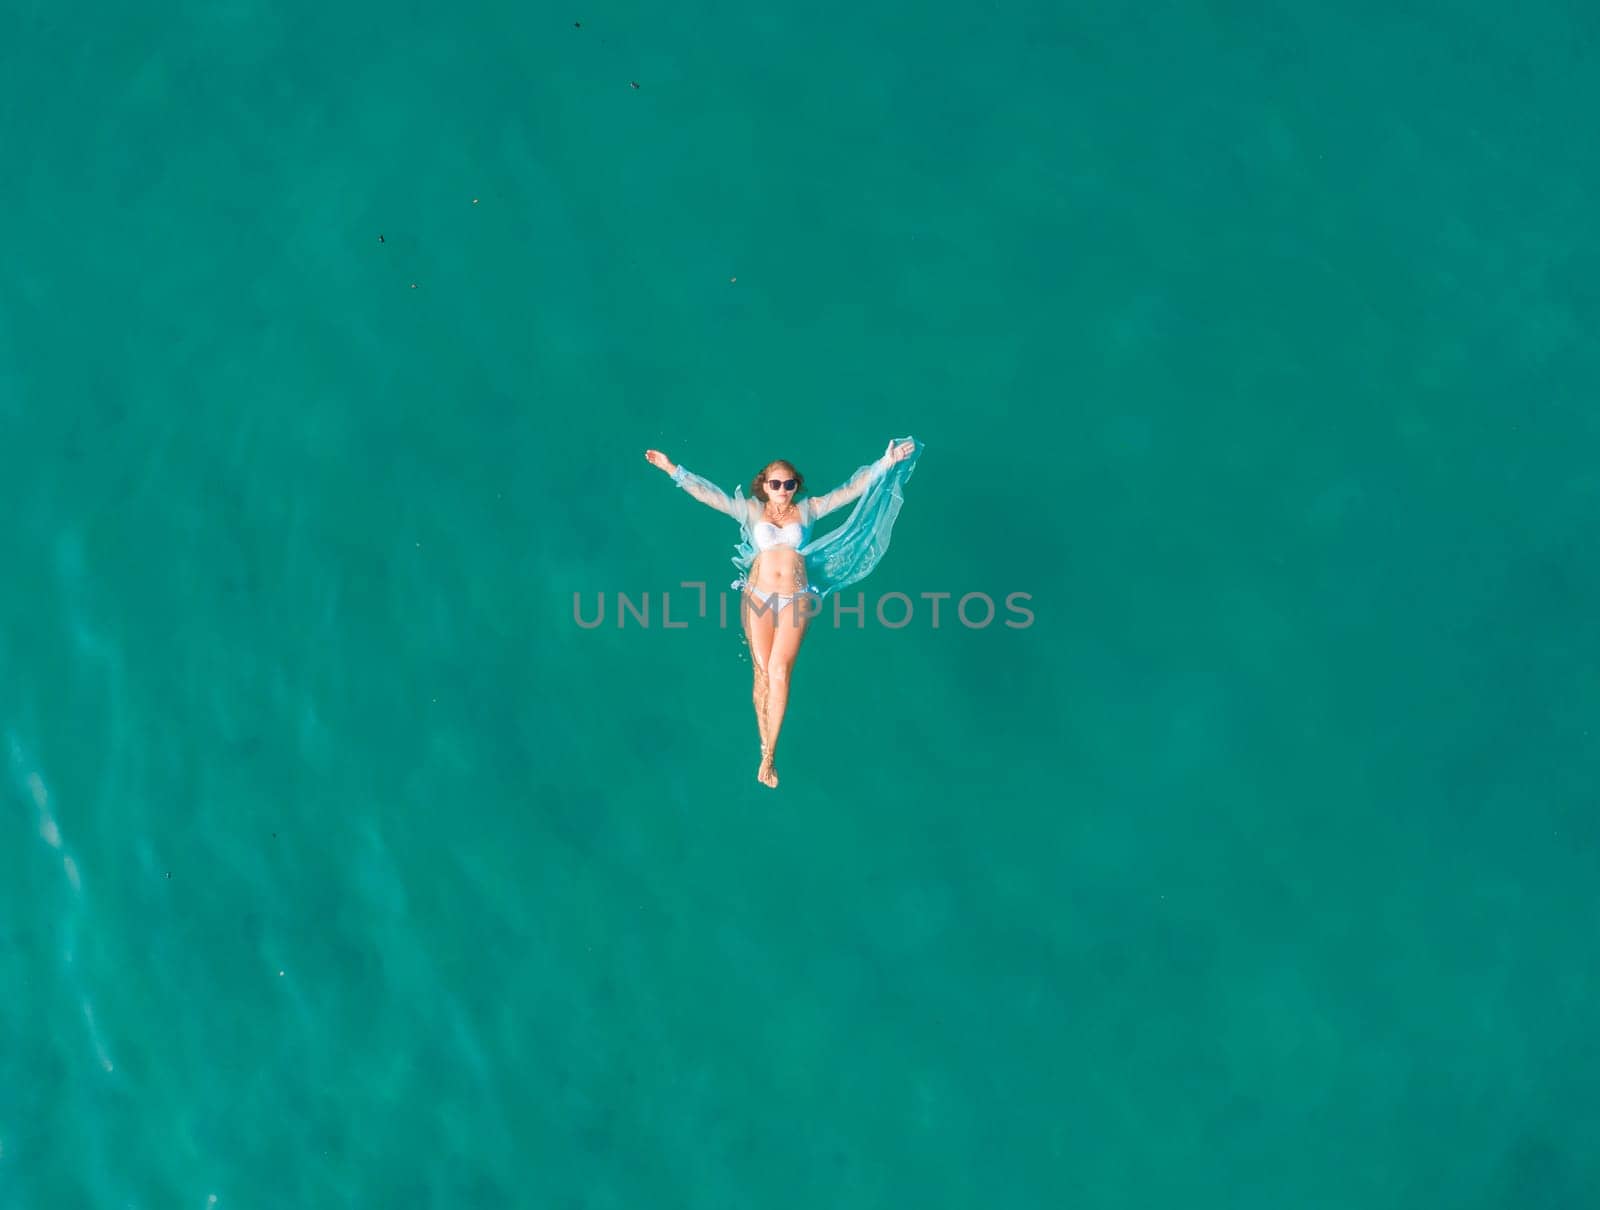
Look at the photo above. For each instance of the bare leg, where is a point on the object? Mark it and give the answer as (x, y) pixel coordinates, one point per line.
(791, 629)
(759, 697)
(758, 627)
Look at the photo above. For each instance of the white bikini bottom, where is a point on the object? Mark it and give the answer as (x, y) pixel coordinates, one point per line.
(782, 598)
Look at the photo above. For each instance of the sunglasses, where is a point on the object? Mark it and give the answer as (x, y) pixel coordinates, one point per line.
(784, 485)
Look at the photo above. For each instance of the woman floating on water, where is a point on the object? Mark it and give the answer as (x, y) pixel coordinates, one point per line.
(780, 562)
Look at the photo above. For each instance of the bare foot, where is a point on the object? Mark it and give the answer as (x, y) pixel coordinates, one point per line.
(767, 775)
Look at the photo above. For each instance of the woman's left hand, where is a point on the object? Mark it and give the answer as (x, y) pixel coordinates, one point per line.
(899, 453)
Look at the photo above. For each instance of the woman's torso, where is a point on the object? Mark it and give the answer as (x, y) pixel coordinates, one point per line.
(779, 567)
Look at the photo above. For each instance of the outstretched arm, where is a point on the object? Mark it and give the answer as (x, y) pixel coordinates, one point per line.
(824, 504)
(702, 489)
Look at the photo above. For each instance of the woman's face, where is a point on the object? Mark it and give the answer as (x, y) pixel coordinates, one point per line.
(782, 473)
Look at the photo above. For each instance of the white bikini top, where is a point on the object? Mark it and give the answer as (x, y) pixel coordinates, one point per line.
(766, 535)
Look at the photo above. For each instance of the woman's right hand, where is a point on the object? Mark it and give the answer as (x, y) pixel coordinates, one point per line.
(659, 460)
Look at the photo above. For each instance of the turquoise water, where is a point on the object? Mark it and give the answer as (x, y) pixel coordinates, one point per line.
(342, 868)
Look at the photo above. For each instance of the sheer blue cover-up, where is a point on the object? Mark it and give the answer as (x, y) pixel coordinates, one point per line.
(840, 557)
